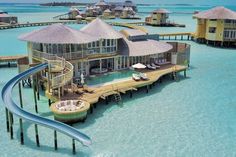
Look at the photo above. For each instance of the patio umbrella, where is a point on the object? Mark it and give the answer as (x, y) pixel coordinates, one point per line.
(82, 78)
(139, 66)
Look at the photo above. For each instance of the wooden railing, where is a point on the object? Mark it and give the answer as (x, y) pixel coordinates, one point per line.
(59, 63)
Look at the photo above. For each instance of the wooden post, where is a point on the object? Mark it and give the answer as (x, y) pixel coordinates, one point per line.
(9, 64)
(107, 102)
(7, 120)
(49, 102)
(147, 89)
(35, 98)
(36, 135)
(175, 37)
(55, 139)
(37, 85)
(20, 120)
(11, 125)
(91, 109)
(73, 146)
(181, 37)
(95, 105)
(131, 94)
(185, 75)
(21, 132)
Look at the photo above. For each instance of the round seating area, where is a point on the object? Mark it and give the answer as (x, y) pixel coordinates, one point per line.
(70, 111)
(70, 105)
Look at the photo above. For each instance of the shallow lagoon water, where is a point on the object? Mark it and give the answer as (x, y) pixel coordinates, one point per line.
(195, 116)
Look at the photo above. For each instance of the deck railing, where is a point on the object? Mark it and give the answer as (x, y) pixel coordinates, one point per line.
(59, 63)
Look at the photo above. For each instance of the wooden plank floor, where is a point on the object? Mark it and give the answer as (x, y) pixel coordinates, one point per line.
(124, 86)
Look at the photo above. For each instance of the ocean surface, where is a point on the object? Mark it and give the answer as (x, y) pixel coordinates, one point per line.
(195, 116)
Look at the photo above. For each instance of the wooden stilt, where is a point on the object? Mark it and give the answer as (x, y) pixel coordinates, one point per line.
(37, 86)
(55, 139)
(73, 146)
(7, 120)
(95, 105)
(9, 64)
(35, 98)
(11, 125)
(21, 132)
(20, 120)
(107, 102)
(36, 135)
(147, 89)
(131, 94)
(185, 75)
(91, 109)
(49, 102)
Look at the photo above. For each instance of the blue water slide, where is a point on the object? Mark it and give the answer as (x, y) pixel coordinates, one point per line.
(15, 109)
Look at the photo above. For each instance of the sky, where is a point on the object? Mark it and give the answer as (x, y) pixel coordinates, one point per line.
(208, 2)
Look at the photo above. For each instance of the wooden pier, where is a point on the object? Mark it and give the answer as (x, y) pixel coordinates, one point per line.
(177, 36)
(10, 60)
(20, 25)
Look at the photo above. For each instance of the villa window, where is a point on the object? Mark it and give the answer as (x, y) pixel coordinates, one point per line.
(212, 29)
(89, 45)
(108, 42)
(104, 42)
(78, 47)
(212, 19)
(94, 44)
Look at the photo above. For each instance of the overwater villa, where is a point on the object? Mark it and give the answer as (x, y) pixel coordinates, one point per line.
(160, 17)
(5, 18)
(94, 50)
(216, 26)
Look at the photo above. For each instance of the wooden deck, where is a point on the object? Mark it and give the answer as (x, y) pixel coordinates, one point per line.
(20, 25)
(10, 59)
(129, 85)
(177, 36)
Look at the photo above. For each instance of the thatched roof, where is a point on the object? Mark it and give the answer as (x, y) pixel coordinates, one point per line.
(161, 11)
(217, 13)
(58, 34)
(143, 48)
(101, 3)
(101, 29)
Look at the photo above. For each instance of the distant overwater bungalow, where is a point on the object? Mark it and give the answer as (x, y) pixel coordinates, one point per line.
(160, 17)
(216, 26)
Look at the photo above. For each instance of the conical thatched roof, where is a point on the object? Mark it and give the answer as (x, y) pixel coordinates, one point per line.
(101, 3)
(161, 11)
(217, 13)
(58, 34)
(101, 29)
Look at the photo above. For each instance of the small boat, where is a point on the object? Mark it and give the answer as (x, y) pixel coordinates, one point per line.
(136, 77)
(143, 76)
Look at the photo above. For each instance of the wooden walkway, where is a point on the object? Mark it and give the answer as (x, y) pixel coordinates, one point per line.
(10, 59)
(177, 36)
(129, 85)
(35, 24)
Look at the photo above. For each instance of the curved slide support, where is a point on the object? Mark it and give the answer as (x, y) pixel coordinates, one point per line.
(15, 109)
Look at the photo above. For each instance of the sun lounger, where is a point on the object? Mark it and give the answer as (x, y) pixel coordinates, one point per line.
(156, 66)
(143, 76)
(151, 67)
(136, 77)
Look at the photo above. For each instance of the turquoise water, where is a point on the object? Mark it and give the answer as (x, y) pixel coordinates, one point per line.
(110, 77)
(195, 116)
